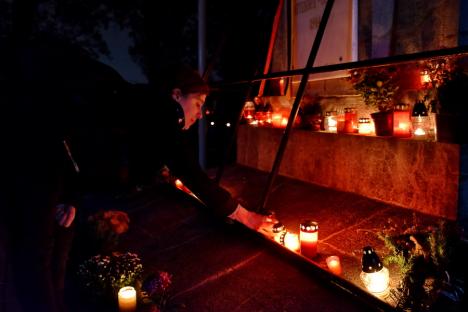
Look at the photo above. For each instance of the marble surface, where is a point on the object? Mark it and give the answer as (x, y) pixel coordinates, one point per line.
(418, 175)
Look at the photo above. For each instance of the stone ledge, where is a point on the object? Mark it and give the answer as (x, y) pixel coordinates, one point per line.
(419, 175)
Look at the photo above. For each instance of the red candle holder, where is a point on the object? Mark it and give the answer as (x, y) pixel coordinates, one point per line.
(309, 238)
(401, 121)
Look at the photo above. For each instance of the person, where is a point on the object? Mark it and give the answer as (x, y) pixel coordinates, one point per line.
(161, 136)
(49, 113)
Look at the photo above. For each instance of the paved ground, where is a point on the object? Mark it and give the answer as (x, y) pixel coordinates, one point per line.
(221, 267)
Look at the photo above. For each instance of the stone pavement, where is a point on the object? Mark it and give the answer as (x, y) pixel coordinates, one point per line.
(222, 267)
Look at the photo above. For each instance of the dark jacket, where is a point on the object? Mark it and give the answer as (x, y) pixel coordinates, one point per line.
(157, 139)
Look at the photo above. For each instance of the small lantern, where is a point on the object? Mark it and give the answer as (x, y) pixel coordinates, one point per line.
(420, 121)
(291, 241)
(365, 126)
(374, 275)
(309, 238)
(330, 121)
(401, 121)
(127, 299)
(280, 232)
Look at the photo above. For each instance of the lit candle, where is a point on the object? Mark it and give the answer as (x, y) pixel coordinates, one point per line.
(281, 86)
(334, 265)
(127, 299)
(291, 241)
(374, 275)
(309, 238)
(401, 121)
(179, 184)
(284, 122)
(365, 126)
(280, 232)
(425, 78)
(276, 120)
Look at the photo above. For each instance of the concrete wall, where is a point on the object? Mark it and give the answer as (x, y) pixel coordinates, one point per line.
(419, 175)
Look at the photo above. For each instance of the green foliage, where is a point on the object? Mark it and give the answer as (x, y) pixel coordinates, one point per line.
(423, 255)
(377, 86)
(103, 276)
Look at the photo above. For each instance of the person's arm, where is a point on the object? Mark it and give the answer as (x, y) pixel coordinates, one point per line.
(186, 167)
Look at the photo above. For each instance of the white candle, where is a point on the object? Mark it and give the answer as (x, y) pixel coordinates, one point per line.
(127, 299)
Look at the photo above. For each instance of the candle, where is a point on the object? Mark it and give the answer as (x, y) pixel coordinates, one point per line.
(401, 121)
(127, 299)
(425, 78)
(374, 275)
(291, 241)
(281, 86)
(330, 121)
(350, 122)
(365, 126)
(280, 232)
(334, 265)
(309, 238)
(284, 122)
(276, 120)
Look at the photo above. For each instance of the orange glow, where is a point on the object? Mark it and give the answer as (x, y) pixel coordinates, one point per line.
(309, 244)
(425, 78)
(334, 264)
(419, 132)
(291, 241)
(401, 124)
(284, 122)
(276, 120)
(179, 184)
(127, 299)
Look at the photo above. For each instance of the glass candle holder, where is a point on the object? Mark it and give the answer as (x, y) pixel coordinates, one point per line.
(309, 238)
(365, 126)
(401, 121)
(330, 122)
(374, 275)
(351, 120)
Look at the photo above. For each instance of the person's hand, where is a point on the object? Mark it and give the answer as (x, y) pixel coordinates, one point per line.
(65, 214)
(255, 221)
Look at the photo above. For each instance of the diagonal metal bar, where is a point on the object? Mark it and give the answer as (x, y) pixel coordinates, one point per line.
(295, 107)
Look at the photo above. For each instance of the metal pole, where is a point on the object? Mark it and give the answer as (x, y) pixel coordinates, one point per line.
(201, 69)
(295, 108)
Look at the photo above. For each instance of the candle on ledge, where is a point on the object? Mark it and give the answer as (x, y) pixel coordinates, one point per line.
(401, 121)
(309, 238)
(280, 232)
(334, 264)
(425, 78)
(365, 126)
(276, 120)
(291, 241)
(127, 299)
(374, 275)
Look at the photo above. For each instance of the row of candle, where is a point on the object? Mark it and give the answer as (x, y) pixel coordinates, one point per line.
(374, 275)
(305, 243)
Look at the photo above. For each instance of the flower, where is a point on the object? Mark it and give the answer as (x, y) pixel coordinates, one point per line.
(376, 85)
(155, 288)
(118, 221)
(103, 276)
(105, 227)
(157, 283)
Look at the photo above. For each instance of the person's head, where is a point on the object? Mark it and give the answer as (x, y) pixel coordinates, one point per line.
(187, 88)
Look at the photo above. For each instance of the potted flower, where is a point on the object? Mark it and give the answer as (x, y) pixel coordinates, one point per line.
(377, 86)
(445, 85)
